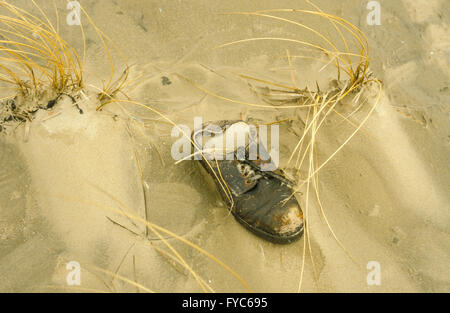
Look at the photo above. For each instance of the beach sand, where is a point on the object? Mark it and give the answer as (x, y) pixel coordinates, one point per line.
(385, 194)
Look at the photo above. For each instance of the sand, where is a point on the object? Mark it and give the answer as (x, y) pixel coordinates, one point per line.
(385, 194)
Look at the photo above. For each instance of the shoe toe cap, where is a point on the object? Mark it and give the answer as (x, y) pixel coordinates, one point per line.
(291, 221)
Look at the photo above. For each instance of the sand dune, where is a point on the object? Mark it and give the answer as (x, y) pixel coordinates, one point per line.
(64, 186)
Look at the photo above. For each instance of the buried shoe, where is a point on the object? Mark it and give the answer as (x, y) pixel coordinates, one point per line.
(259, 198)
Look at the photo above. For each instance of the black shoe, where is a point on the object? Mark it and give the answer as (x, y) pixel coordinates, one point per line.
(260, 200)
